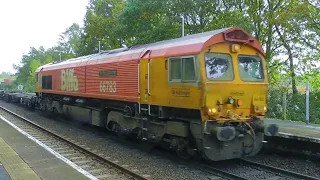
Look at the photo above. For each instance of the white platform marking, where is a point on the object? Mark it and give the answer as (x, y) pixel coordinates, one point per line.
(76, 167)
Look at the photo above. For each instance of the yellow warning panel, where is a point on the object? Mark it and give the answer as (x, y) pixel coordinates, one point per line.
(14, 165)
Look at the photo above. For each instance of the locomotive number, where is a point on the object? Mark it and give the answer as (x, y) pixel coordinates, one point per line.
(108, 86)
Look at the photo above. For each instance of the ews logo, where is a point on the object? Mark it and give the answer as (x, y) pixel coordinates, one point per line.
(69, 82)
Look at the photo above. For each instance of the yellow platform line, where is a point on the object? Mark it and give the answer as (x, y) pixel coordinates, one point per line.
(14, 165)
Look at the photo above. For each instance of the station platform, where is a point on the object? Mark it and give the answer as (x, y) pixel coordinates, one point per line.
(23, 159)
(297, 130)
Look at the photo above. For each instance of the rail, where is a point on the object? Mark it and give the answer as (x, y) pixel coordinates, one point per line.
(276, 170)
(96, 156)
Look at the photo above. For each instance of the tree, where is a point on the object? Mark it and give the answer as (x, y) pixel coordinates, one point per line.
(69, 40)
(101, 25)
(34, 59)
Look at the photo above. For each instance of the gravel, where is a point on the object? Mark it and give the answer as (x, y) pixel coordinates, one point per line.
(298, 165)
(148, 164)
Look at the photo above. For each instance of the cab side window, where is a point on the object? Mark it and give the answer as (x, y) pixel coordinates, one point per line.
(47, 82)
(175, 69)
(188, 68)
(182, 69)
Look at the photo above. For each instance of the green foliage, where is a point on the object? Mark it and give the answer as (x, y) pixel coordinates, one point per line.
(7, 75)
(34, 59)
(147, 21)
(101, 25)
(296, 106)
(69, 40)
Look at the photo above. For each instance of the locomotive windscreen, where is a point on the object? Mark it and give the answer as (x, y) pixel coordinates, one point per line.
(219, 66)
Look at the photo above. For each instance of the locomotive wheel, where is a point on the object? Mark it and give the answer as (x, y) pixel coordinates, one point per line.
(186, 153)
(116, 128)
(135, 135)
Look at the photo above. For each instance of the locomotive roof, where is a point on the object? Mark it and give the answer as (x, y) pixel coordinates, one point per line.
(187, 45)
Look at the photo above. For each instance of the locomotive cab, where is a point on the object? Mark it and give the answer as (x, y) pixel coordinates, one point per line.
(235, 84)
(235, 98)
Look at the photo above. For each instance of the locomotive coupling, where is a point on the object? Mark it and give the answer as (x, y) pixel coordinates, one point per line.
(269, 129)
(226, 133)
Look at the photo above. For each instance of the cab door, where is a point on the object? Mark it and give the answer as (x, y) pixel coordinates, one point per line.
(144, 81)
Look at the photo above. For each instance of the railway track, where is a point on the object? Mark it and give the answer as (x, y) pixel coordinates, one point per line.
(275, 170)
(240, 169)
(243, 169)
(99, 166)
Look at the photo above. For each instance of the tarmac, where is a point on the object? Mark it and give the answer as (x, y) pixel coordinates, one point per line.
(22, 158)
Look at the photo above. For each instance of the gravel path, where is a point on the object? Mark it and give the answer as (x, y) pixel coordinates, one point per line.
(151, 165)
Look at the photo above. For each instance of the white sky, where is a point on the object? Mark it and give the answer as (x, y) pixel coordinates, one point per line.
(34, 23)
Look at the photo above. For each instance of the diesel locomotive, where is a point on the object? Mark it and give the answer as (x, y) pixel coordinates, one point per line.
(202, 94)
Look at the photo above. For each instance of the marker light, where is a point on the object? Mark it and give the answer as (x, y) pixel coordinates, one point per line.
(261, 108)
(239, 102)
(230, 100)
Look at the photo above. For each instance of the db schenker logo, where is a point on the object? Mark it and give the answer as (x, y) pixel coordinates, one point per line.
(69, 82)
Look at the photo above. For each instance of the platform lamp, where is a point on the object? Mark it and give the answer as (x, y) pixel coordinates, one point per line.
(182, 23)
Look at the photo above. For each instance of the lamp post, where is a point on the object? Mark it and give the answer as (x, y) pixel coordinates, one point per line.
(177, 18)
(307, 102)
(99, 47)
(182, 25)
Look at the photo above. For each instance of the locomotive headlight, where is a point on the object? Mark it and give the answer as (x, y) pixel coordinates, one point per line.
(212, 111)
(235, 48)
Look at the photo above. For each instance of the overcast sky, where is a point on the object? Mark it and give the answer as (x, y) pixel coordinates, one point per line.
(34, 23)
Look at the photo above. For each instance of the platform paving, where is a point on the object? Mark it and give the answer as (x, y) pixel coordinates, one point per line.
(297, 130)
(31, 159)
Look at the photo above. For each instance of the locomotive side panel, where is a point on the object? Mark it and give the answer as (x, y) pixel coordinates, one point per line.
(114, 80)
(174, 82)
(69, 81)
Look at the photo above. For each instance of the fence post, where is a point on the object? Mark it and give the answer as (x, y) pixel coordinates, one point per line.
(307, 102)
(284, 106)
